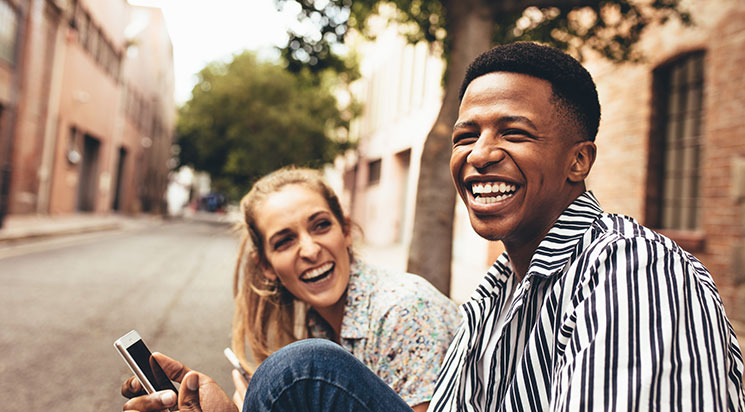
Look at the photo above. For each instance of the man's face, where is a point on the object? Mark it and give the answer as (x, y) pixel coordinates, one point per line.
(512, 154)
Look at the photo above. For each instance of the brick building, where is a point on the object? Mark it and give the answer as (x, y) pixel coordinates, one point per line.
(86, 106)
(671, 145)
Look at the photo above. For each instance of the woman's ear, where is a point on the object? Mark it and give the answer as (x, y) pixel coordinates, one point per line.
(584, 157)
(347, 229)
(265, 267)
(269, 273)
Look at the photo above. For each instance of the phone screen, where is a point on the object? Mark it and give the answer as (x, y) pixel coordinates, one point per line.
(150, 367)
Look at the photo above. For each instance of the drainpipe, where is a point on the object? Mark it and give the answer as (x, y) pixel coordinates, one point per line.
(51, 128)
(7, 134)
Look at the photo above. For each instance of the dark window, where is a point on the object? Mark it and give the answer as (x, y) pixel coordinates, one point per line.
(8, 28)
(676, 144)
(83, 22)
(373, 176)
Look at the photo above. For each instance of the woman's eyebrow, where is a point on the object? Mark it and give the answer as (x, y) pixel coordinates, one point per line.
(315, 215)
(279, 234)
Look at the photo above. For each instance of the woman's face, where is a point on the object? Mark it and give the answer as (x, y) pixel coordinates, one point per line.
(305, 245)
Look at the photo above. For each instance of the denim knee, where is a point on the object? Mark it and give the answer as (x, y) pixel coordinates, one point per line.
(318, 375)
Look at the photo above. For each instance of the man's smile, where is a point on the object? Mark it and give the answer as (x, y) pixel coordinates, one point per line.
(492, 192)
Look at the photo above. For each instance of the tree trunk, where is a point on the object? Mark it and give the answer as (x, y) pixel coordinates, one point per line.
(470, 30)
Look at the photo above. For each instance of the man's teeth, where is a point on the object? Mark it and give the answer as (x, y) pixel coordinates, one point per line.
(479, 188)
(314, 273)
(494, 192)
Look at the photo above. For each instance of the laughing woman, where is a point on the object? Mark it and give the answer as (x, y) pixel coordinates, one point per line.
(296, 267)
(296, 277)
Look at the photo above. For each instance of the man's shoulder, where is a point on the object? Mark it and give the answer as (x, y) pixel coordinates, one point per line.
(625, 236)
(611, 226)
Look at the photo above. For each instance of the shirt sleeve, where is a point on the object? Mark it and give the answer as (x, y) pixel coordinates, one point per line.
(412, 338)
(647, 331)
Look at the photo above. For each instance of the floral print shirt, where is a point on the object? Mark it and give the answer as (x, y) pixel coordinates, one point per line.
(398, 325)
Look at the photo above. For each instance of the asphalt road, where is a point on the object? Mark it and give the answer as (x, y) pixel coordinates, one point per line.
(64, 301)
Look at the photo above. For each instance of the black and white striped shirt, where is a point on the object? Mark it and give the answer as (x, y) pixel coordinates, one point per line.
(610, 316)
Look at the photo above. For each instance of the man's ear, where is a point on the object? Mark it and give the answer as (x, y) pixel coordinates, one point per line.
(584, 156)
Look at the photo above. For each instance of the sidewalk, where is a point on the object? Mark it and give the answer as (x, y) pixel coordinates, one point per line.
(26, 227)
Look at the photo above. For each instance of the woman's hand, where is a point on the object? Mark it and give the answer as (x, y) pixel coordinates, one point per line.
(240, 389)
(198, 392)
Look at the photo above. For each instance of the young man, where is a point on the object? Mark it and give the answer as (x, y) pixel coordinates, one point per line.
(584, 310)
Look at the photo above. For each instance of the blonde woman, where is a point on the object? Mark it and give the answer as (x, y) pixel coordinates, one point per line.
(296, 278)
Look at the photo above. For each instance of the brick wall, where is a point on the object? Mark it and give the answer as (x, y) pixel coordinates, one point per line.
(620, 176)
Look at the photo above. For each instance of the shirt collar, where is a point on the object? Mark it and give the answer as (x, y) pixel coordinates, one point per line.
(554, 250)
(558, 246)
(356, 320)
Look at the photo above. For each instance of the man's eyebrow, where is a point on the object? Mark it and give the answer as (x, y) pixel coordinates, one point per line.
(506, 119)
(464, 125)
(517, 119)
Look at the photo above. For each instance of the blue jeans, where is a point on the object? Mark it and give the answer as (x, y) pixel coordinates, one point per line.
(318, 375)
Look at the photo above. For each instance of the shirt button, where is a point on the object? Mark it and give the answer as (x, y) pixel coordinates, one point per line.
(527, 284)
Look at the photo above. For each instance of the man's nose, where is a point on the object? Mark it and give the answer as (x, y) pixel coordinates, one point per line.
(485, 151)
(309, 249)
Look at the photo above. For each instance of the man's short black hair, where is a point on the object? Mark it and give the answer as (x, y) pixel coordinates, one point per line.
(571, 82)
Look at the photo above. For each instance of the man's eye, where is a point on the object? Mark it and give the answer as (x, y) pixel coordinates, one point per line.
(464, 138)
(516, 135)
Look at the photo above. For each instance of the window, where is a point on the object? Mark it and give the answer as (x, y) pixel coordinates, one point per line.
(8, 28)
(92, 44)
(373, 176)
(676, 144)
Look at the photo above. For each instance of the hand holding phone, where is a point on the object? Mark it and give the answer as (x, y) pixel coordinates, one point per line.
(142, 363)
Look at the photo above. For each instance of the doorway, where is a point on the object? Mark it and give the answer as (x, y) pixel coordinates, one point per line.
(87, 185)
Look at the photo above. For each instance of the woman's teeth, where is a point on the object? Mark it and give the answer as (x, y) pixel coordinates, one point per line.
(317, 273)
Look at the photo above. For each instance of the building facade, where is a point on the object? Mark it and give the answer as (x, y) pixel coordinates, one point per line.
(671, 145)
(86, 106)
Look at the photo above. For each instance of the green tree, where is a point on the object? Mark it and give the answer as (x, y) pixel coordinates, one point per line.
(246, 118)
(464, 29)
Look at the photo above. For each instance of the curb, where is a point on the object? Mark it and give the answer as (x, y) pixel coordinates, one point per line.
(31, 234)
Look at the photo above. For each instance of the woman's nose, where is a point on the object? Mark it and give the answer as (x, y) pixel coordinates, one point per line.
(308, 247)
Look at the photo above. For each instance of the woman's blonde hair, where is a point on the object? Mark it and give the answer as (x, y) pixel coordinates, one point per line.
(267, 316)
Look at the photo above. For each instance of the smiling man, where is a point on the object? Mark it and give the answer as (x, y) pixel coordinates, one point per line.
(584, 310)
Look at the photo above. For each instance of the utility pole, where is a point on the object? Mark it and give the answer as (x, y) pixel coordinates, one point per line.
(8, 125)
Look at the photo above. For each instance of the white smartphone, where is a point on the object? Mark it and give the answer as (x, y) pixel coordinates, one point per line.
(236, 364)
(141, 362)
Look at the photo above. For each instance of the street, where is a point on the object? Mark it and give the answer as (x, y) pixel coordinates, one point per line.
(64, 302)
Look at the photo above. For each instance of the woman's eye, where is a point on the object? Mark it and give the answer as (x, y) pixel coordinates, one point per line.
(322, 225)
(282, 243)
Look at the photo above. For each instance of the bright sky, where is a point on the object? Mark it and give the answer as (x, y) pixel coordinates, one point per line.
(207, 30)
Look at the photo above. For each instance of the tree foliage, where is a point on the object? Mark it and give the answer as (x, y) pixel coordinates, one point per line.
(610, 27)
(464, 29)
(246, 118)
